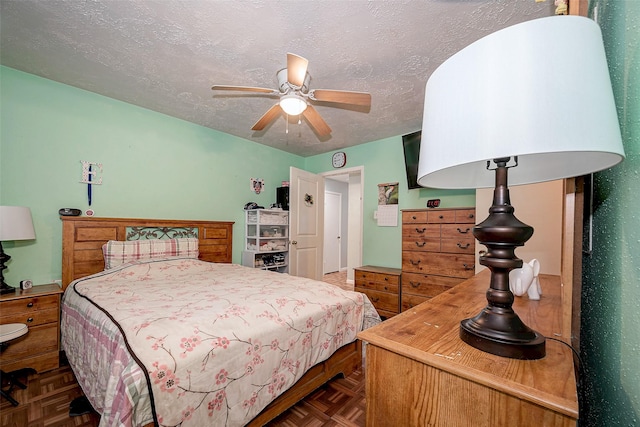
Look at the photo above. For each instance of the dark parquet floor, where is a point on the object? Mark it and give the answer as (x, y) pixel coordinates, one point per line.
(45, 401)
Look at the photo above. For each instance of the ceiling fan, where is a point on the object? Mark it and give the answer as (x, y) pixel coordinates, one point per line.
(293, 91)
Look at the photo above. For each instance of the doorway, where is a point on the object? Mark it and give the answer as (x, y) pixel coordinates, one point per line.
(351, 215)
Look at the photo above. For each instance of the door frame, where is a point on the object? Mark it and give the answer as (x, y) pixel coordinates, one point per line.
(356, 222)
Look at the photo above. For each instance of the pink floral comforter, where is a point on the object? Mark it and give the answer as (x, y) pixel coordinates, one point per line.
(216, 342)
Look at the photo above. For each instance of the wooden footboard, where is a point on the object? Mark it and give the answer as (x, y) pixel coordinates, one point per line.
(344, 361)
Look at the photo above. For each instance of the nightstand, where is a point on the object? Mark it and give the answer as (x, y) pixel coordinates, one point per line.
(39, 309)
(382, 287)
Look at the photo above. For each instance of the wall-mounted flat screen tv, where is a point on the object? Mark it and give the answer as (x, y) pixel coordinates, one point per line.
(411, 145)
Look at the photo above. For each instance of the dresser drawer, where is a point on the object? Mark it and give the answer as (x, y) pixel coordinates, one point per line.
(41, 363)
(421, 237)
(39, 339)
(376, 281)
(29, 305)
(388, 287)
(383, 300)
(32, 318)
(410, 301)
(421, 230)
(457, 231)
(387, 279)
(363, 284)
(453, 265)
(364, 275)
(426, 285)
(421, 244)
(441, 217)
(466, 216)
(458, 246)
(409, 217)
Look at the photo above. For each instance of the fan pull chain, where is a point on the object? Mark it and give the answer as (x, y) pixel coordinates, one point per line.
(287, 125)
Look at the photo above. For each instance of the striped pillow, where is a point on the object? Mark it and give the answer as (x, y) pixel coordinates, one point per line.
(117, 253)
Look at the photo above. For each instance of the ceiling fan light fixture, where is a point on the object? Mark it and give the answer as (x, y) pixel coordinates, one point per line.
(293, 104)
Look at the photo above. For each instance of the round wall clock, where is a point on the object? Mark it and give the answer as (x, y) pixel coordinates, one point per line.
(339, 159)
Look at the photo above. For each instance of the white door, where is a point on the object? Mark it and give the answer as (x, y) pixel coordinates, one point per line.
(306, 223)
(332, 231)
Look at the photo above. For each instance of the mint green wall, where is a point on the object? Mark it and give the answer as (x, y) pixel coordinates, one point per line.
(383, 161)
(155, 166)
(610, 336)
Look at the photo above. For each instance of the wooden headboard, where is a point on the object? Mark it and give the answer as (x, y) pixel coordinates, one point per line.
(83, 237)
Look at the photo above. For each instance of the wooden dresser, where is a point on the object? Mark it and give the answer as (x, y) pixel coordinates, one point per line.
(39, 309)
(420, 373)
(437, 252)
(382, 286)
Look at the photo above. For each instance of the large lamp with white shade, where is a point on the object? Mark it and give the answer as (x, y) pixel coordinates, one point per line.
(526, 104)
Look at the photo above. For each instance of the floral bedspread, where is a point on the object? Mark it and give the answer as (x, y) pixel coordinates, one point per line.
(216, 342)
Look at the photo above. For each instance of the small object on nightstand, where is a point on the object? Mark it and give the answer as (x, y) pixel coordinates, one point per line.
(26, 284)
(69, 212)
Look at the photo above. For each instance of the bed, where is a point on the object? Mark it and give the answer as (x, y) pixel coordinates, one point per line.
(171, 338)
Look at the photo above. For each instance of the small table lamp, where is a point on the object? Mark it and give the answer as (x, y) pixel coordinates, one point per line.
(15, 224)
(534, 99)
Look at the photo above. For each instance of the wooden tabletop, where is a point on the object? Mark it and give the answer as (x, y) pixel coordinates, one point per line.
(36, 290)
(429, 333)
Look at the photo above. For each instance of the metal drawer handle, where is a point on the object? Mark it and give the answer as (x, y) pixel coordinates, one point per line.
(30, 319)
(468, 267)
(375, 299)
(414, 262)
(30, 305)
(414, 217)
(419, 230)
(463, 247)
(470, 216)
(465, 231)
(421, 244)
(386, 288)
(386, 279)
(414, 285)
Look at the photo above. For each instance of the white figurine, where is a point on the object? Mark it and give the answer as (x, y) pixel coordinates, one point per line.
(525, 279)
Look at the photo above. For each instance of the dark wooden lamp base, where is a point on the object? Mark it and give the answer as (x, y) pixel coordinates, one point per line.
(497, 329)
(4, 288)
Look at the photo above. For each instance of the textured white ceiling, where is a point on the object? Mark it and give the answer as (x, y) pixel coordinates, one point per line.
(165, 55)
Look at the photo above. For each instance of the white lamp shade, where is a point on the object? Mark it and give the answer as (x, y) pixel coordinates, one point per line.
(16, 223)
(293, 104)
(539, 90)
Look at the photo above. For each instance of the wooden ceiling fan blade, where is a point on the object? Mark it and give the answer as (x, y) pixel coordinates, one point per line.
(341, 96)
(245, 89)
(316, 121)
(267, 117)
(296, 69)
